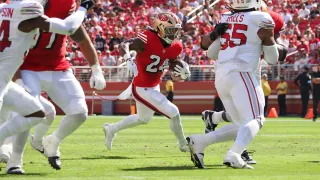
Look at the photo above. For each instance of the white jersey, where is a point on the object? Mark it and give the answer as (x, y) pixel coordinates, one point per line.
(14, 43)
(241, 46)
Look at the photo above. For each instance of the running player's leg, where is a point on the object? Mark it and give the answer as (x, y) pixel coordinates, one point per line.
(6, 148)
(143, 116)
(33, 81)
(67, 93)
(152, 98)
(42, 128)
(29, 108)
(250, 109)
(30, 112)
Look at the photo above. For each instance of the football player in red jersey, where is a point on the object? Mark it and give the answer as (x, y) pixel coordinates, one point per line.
(154, 47)
(46, 69)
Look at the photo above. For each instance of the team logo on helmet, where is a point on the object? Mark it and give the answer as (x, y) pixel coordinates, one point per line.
(163, 17)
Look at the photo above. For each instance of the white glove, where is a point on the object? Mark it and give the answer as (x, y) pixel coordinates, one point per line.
(21, 84)
(97, 80)
(131, 65)
(132, 68)
(183, 72)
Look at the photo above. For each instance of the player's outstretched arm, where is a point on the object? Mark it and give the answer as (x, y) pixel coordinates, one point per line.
(81, 37)
(132, 45)
(209, 38)
(271, 54)
(67, 26)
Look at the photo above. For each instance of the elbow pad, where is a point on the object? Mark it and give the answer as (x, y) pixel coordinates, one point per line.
(271, 54)
(69, 25)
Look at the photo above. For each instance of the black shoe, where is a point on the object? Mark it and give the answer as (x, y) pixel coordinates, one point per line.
(314, 119)
(207, 119)
(55, 162)
(247, 158)
(15, 170)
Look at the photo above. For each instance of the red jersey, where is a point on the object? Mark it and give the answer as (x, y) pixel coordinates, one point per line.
(152, 61)
(49, 52)
(278, 20)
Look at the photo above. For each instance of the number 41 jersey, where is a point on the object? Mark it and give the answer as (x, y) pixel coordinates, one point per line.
(241, 43)
(50, 50)
(152, 61)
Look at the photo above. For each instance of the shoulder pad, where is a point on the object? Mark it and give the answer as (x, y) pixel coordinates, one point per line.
(264, 20)
(32, 9)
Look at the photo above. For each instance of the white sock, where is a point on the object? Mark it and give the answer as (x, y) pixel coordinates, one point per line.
(176, 128)
(128, 122)
(41, 129)
(69, 124)
(16, 125)
(19, 144)
(225, 133)
(245, 135)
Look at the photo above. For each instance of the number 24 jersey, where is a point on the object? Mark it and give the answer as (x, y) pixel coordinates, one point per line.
(152, 61)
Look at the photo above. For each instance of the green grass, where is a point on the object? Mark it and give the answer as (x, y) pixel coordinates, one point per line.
(286, 148)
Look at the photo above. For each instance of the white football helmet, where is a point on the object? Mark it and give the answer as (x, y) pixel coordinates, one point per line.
(246, 4)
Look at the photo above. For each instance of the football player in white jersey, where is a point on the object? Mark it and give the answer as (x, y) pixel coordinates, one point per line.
(20, 21)
(249, 33)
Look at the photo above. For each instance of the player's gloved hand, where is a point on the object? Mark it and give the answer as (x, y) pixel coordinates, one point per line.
(219, 30)
(21, 84)
(87, 4)
(183, 72)
(132, 68)
(97, 80)
(131, 65)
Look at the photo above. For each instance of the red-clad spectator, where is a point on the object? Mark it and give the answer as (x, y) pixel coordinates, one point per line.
(78, 59)
(314, 43)
(303, 47)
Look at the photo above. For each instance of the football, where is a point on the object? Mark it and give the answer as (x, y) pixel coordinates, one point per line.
(173, 64)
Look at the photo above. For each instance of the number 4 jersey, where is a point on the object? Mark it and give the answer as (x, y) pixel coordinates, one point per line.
(14, 43)
(152, 61)
(241, 46)
(50, 50)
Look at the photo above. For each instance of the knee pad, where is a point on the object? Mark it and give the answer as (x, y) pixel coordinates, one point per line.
(144, 119)
(76, 106)
(82, 117)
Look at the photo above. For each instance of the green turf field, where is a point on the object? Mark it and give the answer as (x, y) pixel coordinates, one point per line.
(286, 148)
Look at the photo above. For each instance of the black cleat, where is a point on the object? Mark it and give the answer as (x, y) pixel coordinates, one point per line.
(247, 158)
(207, 119)
(15, 170)
(55, 162)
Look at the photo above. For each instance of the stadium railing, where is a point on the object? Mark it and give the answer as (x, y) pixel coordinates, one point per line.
(198, 72)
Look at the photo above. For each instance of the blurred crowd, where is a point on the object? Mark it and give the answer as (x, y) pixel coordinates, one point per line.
(114, 21)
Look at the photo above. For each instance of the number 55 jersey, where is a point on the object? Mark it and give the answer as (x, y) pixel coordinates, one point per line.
(152, 61)
(241, 46)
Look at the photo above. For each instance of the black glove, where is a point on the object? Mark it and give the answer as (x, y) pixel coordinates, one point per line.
(88, 4)
(219, 30)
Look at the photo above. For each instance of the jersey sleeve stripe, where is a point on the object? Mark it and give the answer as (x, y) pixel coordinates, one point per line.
(142, 38)
(143, 35)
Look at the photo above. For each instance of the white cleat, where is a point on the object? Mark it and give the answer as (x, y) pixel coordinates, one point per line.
(109, 136)
(234, 160)
(51, 150)
(37, 145)
(196, 147)
(183, 146)
(5, 152)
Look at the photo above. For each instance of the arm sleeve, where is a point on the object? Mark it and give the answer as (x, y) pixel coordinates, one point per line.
(69, 25)
(271, 54)
(214, 49)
